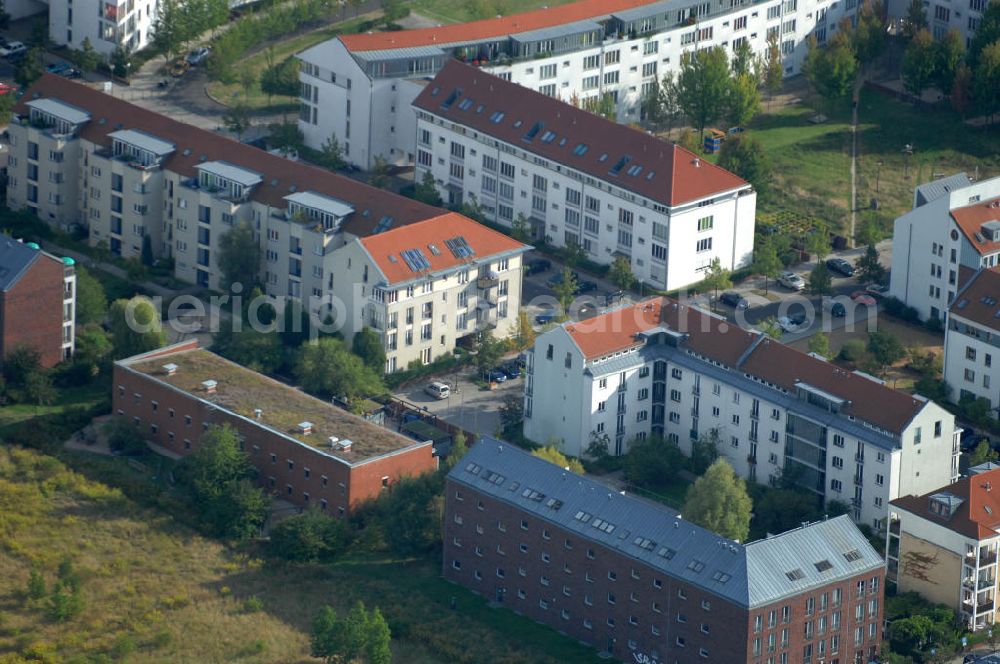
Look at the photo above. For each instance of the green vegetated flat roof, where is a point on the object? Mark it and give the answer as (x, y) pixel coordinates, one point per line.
(242, 391)
(429, 431)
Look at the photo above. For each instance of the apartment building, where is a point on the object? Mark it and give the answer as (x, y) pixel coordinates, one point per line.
(580, 180)
(942, 17)
(972, 340)
(660, 368)
(952, 231)
(426, 285)
(633, 579)
(359, 88)
(943, 544)
(307, 451)
(130, 176)
(37, 301)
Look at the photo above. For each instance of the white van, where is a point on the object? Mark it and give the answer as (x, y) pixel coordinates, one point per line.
(438, 390)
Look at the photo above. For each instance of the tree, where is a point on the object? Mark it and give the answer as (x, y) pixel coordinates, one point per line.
(620, 273)
(820, 281)
(831, 70)
(36, 585)
(818, 241)
(220, 477)
(773, 67)
(520, 228)
(88, 58)
(564, 291)
(38, 388)
(916, 19)
(919, 63)
(949, 57)
(987, 33)
(239, 258)
(459, 449)
(367, 344)
(91, 303)
(870, 270)
(410, 514)
(326, 635)
(745, 156)
(258, 350)
(743, 101)
(778, 510)
(552, 454)
(961, 90)
(65, 602)
(170, 31)
(652, 105)
(30, 69)
(986, 82)
(512, 412)
(982, 454)
(716, 278)
(652, 463)
(703, 86)
(426, 190)
(393, 10)
(488, 351)
(742, 62)
(285, 136)
(379, 173)
(281, 79)
(870, 34)
(4, 16)
(377, 639)
(770, 327)
(525, 334)
(311, 536)
(237, 119)
(819, 343)
(19, 363)
(120, 63)
(705, 451)
(885, 348)
(135, 326)
(124, 436)
(766, 261)
(603, 105)
(718, 501)
(326, 368)
(331, 156)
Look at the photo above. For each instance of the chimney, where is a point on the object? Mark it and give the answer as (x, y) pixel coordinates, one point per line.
(209, 386)
(333, 440)
(987, 486)
(345, 445)
(696, 162)
(257, 412)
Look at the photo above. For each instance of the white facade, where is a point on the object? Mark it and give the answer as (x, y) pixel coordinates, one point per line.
(931, 247)
(361, 80)
(964, 17)
(108, 24)
(660, 387)
(972, 341)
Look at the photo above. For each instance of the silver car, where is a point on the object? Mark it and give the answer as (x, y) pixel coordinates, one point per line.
(792, 281)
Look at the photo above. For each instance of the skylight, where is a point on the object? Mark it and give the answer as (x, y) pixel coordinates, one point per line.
(459, 247)
(795, 575)
(415, 259)
(496, 117)
(535, 128)
(581, 149)
(434, 249)
(852, 555)
(696, 565)
(634, 170)
(721, 577)
(465, 104)
(603, 157)
(473, 468)
(619, 165)
(548, 136)
(666, 552)
(517, 123)
(649, 175)
(823, 566)
(455, 94)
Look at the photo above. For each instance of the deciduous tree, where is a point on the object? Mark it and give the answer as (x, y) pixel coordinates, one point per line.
(311, 536)
(919, 62)
(831, 69)
(950, 55)
(820, 281)
(716, 278)
(719, 501)
(773, 67)
(870, 270)
(325, 367)
(239, 258)
(653, 463)
(552, 454)
(620, 273)
(91, 302)
(367, 344)
(766, 261)
(703, 86)
(743, 102)
(135, 326)
(745, 156)
(819, 343)
(426, 191)
(916, 19)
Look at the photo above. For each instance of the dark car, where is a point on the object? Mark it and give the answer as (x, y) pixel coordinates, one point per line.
(544, 319)
(840, 266)
(496, 375)
(585, 287)
(614, 297)
(512, 369)
(539, 265)
(838, 310)
(734, 299)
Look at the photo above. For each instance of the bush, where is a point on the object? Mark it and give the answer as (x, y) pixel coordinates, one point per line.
(853, 350)
(124, 437)
(312, 536)
(899, 309)
(253, 604)
(935, 325)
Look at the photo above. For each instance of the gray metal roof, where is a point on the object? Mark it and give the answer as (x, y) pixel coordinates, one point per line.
(15, 259)
(557, 31)
(399, 53)
(747, 575)
(60, 109)
(311, 199)
(143, 141)
(237, 174)
(645, 11)
(930, 191)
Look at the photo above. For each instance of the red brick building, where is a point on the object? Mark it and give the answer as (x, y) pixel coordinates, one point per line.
(37, 301)
(308, 452)
(639, 583)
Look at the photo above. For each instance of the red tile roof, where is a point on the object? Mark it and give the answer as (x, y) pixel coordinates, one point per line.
(971, 218)
(977, 517)
(280, 176)
(491, 27)
(979, 301)
(763, 358)
(421, 235)
(678, 176)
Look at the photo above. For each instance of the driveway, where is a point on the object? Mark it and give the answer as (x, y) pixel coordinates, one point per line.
(470, 407)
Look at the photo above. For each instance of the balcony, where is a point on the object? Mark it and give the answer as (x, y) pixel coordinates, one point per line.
(987, 558)
(752, 459)
(982, 607)
(860, 458)
(859, 480)
(485, 283)
(894, 527)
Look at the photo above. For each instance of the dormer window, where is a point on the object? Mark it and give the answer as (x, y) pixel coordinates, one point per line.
(139, 148)
(228, 181)
(316, 209)
(58, 116)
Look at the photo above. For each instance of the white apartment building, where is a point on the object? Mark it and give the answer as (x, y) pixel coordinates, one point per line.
(952, 231)
(665, 369)
(426, 285)
(943, 544)
(943, 16)
(972, 340)
(359, 88)
(108, 24)
(129, 176)
(581, 180)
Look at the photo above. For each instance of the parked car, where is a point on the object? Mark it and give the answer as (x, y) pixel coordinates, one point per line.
(6, 89)
(792, 322)
(522, 360)
(511, 369)
(14, 50)
(792, 281)
(544, 319)
(734, 299)
(840, 266)
(585, 287)
(57, 67)
(495, 375)
(198, 56)
(539, 265)
(877, 290)
(836, 309)
(614, 297)
(438, 390)
(862, 297)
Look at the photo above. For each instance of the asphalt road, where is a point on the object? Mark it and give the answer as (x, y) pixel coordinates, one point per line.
(470, 407)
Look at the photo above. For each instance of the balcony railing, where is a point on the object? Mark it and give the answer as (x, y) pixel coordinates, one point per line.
(484, 283)
(894, 527)
(987, 557)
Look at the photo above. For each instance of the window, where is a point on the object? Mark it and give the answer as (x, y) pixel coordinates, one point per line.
(706, 223)
(704, 245)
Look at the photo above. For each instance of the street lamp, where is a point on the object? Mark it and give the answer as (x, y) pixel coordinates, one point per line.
(878, 172)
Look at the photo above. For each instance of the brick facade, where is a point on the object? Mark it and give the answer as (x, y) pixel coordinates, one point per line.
(289, 469)
(31, 312)
(625, 607)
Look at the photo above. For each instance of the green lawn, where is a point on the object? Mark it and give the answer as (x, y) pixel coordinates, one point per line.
(450, 11)
(87, 396)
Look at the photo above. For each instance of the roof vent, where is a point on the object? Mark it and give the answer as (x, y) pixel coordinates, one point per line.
(305, 428)
(170, 369)
(345, 445)
(333, 440)
(257, 412)
(209, 386)
(696, 162)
